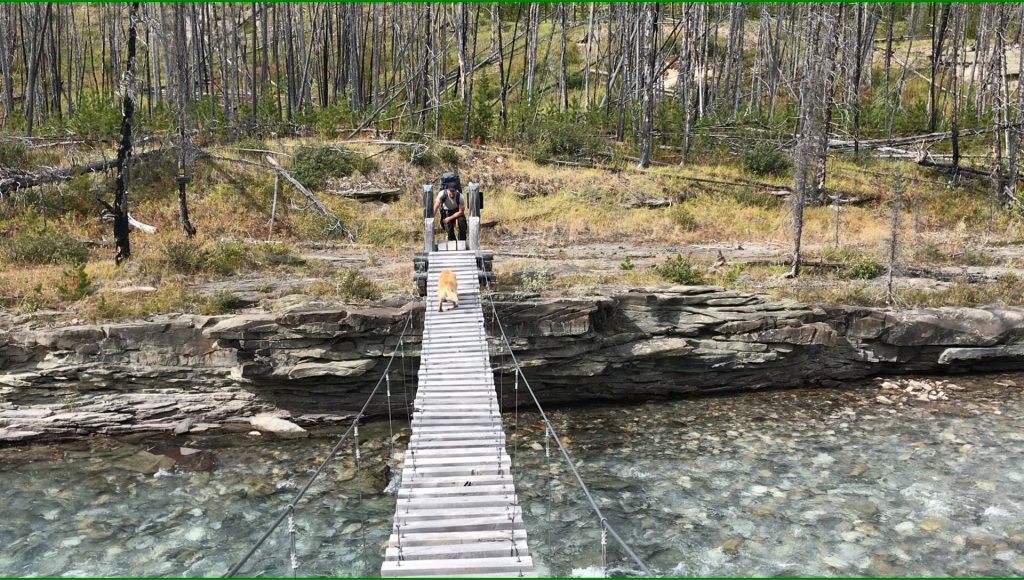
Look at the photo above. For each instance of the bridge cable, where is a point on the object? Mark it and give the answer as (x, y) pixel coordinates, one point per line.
(405, 383)
(565, 454)
(548, 480)
(290, 509)
(515, 461)
(391, 429)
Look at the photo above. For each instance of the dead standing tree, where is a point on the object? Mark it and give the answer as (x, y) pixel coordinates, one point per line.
(181, 94)
(124, 148)
(650, 60)
(815, 93)
(36, 51)
(898, 187)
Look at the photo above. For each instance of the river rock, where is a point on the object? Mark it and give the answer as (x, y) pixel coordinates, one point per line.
(145, 462)
(186, 458)
(278, 426)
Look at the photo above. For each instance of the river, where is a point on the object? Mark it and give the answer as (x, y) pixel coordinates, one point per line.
(855, 481)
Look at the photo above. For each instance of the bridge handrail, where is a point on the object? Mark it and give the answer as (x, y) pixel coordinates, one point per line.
(565, 454)
(290, 510)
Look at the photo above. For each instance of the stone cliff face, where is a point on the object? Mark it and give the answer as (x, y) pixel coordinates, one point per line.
(195, 373)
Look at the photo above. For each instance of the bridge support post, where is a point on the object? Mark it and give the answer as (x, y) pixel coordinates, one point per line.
(428, 218)
(474, 217)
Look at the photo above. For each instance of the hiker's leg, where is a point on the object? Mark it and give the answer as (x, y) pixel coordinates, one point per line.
(450, 226)
(463, 228)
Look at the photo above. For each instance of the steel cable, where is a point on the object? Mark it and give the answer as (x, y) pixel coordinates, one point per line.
(565, 454)
(290, 509)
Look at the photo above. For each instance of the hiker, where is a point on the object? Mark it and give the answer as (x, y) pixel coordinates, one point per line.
(453, 207)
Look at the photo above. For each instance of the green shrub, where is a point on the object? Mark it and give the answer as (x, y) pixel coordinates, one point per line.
(34, 301)
(37, 245)
(865, 268)
(536, 281)
(913, 117)
(679, 270)
(75, 283)
(14, 155)
(164, 118)
(219, 303)
(558, 140)
(96, 117)
(328, 119)
(754, 198)
(348, 285)
(228, 257)
(314, 165)
(181, 256)
(352, 285)
(627, 265)
(222, 257)
(449, 156)
(765, 158)
(525, 280)
(683, 217)
(857, 264)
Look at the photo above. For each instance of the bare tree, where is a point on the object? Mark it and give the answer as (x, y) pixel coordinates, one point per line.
(819, 58)
(182, 78)
(124, 149)
(6, 55)
(938, 38)
(650, 58)
(898, 187)
(40, 16)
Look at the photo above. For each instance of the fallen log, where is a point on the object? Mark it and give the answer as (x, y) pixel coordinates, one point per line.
(647, 203)
(248, 150)
(108, 218)
(835, 144)
(320, 207)
(925, 160)
(370, 194)
(15, 179)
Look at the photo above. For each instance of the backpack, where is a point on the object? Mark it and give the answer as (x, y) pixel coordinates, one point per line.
(451, 180)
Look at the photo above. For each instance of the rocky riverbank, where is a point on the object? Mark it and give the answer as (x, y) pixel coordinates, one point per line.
(316, 365)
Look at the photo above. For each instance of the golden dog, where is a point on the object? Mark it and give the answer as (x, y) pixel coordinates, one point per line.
(447, 289)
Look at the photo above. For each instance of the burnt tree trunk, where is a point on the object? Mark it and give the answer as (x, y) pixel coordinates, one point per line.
(124, 148)
(181, 71)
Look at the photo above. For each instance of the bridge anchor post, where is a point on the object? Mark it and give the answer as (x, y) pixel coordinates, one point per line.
(474, 217)
(428, 218)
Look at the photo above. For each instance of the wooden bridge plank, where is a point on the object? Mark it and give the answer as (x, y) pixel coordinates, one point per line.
(509, 566)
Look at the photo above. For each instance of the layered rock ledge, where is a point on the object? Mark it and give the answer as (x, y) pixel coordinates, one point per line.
(317, 365)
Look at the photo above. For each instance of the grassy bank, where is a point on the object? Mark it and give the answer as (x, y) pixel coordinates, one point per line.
(548, 209)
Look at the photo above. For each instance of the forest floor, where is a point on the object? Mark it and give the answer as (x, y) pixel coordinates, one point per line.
(556, 230)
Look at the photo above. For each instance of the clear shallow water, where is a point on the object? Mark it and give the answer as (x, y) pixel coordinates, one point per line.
(803, 482)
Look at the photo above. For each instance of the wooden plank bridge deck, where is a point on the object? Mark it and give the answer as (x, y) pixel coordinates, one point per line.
(457, 512)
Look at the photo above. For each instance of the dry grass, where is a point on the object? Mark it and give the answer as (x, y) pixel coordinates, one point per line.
(30, 288)
(1006, 291)
(549, 206)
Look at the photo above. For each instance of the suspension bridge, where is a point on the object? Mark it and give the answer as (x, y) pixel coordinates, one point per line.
(457, 512)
